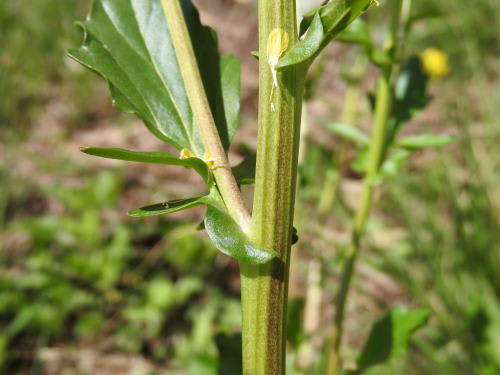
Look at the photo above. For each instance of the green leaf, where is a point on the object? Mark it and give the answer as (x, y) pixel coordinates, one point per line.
(381, 57)
(393, 164)
(417, 142)
(390, 336)
(244, 173)
(129, 45)
(230, 71)
(360, 163)
(228, 238)
(305, 48)
(230, 355)
(410, 95)
(357, 32)
(349, 133)
(294, 321)
(167, 207)
(151, 157)
(319, 27)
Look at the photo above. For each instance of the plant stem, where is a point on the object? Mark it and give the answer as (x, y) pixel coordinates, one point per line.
(376, 155)
(264, 287)
(203, 116)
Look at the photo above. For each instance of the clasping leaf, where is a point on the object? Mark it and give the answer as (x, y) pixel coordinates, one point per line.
(228, 238)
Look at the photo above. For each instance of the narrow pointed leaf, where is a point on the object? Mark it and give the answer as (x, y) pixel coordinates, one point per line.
(338, 14)
(390, 336)
(228, 238)
(349, 133)
(305, 49)
(150, 157)
(420, 141)
(167, 207)
(129, 45)
(320, 26)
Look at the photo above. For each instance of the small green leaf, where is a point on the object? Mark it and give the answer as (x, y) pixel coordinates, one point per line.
(305, 48)
(390, 336)
(417, 142)
(167, 207)
(229, 239)
(360, 163)
(150, 157)
(294, 321)
(381, 57)
(244, 173)
(357, 32)
(319, 27)
(393, 164)
(349, 133)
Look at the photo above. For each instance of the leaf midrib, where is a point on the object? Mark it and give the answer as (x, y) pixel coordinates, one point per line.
(169, 93)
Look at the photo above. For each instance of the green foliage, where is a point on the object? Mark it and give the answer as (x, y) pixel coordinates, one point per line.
(129, 44)
(244, 172)
(294, 320)
(229, 239)
(167, 207)
(35, 35)
(151, 157)
(420, 141)
(319, 27)
(349, 133)
(390, 336)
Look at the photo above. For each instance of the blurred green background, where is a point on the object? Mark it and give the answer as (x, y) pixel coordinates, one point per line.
(86, 290)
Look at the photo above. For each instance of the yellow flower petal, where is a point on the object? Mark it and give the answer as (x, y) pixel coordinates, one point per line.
(435, 63)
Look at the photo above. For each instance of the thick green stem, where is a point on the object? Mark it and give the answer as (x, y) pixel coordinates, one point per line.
(264, 287)
(376, 155)
(202, 114)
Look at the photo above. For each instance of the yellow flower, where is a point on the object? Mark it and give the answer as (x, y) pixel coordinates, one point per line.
(435, 63)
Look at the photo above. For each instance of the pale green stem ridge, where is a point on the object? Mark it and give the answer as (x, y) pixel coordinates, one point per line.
(376, 154)
(203, 116)
(264, 287)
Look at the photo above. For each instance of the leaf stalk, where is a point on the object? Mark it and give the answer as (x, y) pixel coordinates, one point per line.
(202, 113)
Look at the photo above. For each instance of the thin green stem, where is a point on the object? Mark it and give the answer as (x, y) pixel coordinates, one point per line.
(264, 288)
(203, 116)
(377, 147)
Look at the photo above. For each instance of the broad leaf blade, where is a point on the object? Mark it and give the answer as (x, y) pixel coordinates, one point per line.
(390, 336)
(150, 157)
(167, 207)
(228, 238)
(128, 44)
